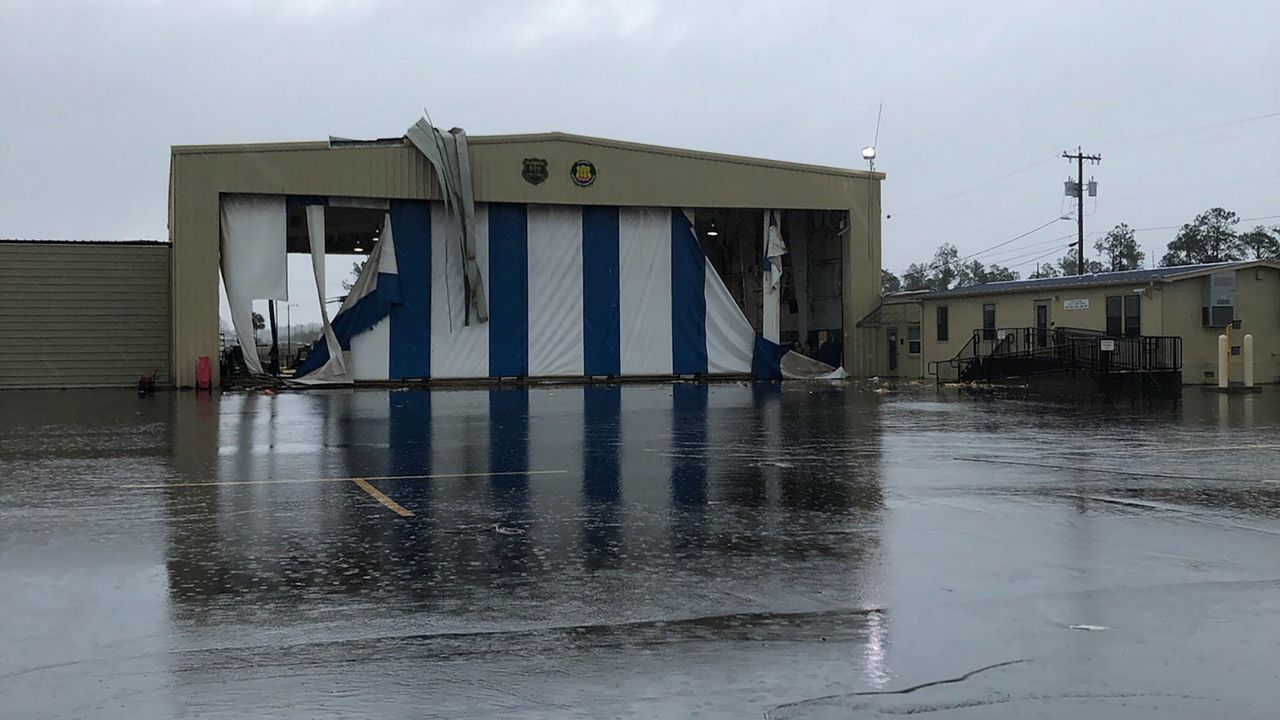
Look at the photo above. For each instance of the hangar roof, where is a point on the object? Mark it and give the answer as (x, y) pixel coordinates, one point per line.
(536, 138)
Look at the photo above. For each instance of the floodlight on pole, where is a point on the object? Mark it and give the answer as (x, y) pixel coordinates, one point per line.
(869, 154)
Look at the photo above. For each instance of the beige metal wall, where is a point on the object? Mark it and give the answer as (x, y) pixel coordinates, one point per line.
(1257, 307)
(83, 314)
(627, 174)
(1168, 308)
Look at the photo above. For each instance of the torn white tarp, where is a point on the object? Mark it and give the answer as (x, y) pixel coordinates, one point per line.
(451, 159)
(771, 302)
(802, 367)
(774, 248)
(335, 369)
(254, 263)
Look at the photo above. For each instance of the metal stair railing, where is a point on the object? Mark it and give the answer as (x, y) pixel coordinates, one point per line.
(1006, 352)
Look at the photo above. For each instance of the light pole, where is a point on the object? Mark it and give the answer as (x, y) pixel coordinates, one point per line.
(288, 321)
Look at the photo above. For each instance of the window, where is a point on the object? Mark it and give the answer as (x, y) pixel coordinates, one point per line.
(1132, 315)
(943, 330)
(1124, 315)
(913, 339)
(1115, 315)
(989, 321)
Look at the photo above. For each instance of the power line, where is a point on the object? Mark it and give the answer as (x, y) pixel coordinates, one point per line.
(1021, 250)
(1041, 257)
(935, 266)
(1019, 256)
(977, 187)
(1192, 142)
(1171, 191)
(1036, 229)
(1240, 121)
(1179, 227)
(1121, 143)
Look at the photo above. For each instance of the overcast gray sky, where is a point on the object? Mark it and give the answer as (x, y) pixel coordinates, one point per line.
(94, 93)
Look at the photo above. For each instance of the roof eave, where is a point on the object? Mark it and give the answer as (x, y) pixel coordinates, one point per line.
(553, 137)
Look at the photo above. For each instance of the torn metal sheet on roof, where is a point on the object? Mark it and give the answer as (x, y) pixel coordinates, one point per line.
(451, 159)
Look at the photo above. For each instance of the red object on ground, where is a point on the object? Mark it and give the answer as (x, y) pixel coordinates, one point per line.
(204, 377)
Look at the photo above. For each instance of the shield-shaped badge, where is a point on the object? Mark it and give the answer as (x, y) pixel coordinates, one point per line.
(534, 170)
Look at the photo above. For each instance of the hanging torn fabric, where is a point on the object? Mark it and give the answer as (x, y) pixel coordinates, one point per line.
(369, 301)
(450, 156)
(334, 369)
(774, 249)
(254, 262)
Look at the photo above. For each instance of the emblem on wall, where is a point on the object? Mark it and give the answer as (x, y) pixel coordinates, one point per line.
(534, 170)
(583, 173)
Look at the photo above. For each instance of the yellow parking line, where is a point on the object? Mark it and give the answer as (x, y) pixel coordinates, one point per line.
(376, 494)
(439, 476)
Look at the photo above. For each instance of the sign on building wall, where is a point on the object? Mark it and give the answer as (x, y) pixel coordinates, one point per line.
(1076, 304)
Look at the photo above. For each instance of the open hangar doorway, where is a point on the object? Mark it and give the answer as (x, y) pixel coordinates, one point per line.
(811, 289)
(291, 326)
(352, 230)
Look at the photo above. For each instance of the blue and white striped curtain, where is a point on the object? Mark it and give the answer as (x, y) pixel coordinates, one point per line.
(572, 292)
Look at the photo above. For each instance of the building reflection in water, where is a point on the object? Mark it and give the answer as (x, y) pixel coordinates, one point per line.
(559, 504)
(601, 476)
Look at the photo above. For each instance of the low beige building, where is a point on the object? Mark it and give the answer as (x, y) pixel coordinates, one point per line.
(1196, 303)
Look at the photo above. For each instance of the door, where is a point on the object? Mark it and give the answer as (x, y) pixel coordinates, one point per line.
(892, 335)
(1042, 325)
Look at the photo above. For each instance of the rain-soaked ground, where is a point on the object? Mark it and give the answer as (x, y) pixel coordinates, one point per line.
(656, 551)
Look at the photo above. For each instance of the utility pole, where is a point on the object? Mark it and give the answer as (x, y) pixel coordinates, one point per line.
(1080, 157)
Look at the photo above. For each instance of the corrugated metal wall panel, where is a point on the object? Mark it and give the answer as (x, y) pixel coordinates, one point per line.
(83, 314)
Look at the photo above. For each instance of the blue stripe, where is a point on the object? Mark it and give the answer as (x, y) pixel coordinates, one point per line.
(689, 444)
(411, 319)
(601, 475)
(766, 359)
(409, 448)
(688, 299)
(601, 324)
(601, 441)
(368, 310)
(508, 285)
(509, 465)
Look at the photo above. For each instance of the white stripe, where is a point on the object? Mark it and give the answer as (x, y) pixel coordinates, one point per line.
(555, 290)
(558, 414)
(459, 432)
(458, 349)
(646, 466)
(730, 337)
(387, 257)
(370, 356)
(644, 290)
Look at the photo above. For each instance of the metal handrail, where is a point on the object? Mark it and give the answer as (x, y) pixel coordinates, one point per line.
(1026, 350)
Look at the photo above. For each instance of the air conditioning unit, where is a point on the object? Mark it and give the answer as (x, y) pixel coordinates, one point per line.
(1219, 306)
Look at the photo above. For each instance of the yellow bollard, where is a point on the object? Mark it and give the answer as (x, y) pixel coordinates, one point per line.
(1246, 356)
(1224, 356)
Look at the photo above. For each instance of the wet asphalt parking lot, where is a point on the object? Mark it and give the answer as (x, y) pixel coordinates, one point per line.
(649, 551)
